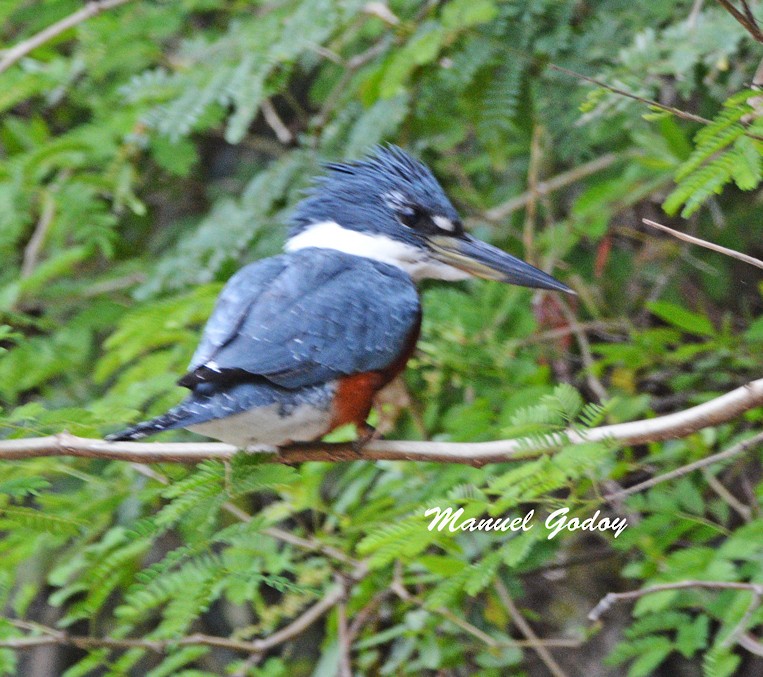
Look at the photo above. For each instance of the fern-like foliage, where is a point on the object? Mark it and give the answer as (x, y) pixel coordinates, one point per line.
(151, 150)
(726, 151)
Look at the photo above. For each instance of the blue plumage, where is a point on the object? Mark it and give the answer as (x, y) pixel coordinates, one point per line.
(299, 344)
(391, 176)
(305, 318)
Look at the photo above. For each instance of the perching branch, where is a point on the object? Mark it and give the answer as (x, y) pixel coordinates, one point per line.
(672, 426)
(91, 9)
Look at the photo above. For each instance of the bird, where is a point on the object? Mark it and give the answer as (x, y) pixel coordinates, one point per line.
(300, 343)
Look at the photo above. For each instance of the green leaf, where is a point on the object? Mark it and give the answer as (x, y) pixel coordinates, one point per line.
(463, 13)
(651, 657)
(747, 171)
(688, 321)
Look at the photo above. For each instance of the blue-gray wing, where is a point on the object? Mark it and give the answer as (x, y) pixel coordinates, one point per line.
(232, 305)
(308, 317)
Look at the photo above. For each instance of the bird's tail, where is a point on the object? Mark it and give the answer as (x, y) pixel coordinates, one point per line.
(174, 418)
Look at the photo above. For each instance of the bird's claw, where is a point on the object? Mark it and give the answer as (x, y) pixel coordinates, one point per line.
(366, 433)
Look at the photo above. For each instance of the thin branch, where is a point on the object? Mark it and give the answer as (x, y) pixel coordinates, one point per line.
(301, 623)
(53, 636)
(32, 250)
(309, 544)
(596, 386)
(672, 426)
(399, 589)
(599, 326)
(382, 11)
(741, 626)
(275, 123)
(696, 8)
(685, 115)
(500, 212)
(748, 13)
(531, 212)
(343, 636)
(91, 9)
(361, 617)
(747, 641)
(704, 243)
(526, 629)
(744, 511)
(745, 18)
(609, 600)
(377, 49)
(735, 450)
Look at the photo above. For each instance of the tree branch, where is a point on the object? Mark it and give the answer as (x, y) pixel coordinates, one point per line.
(745, 18)
(54, 636)
(608, 601)
(91, 9)
(526, 629)
(686, 469)
(672, 426)
(684, 115)
(704, 243)
(501, 211)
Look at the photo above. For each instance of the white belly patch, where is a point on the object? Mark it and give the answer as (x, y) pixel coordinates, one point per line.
(265, 426)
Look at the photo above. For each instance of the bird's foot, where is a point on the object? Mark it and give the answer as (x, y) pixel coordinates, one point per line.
(366, 433)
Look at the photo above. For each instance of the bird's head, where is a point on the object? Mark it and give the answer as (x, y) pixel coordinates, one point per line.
(389, 207)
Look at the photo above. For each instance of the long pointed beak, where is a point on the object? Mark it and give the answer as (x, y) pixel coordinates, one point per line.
(483, 260)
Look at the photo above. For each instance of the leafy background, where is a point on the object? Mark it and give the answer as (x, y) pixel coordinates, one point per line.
(149, 152)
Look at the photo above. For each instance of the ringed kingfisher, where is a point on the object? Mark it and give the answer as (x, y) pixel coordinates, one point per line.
(300, 343)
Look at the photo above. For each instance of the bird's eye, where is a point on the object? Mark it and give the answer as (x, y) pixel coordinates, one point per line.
(411, 216)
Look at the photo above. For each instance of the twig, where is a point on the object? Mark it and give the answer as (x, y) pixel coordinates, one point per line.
(685, 115)
(745, 18)
(296, 627)
(735, 450)
(91, 9)
(112, 285)
(747, 641)
(531, 212)
(301, 623)
(500, 212)
(601, 326)
(343, 638)
(608, 601)
(526, 629)
(32, 250)
(672, 426)
(382, 11)
(704, 243)
(275, 123)
(584, 346)
(741, 626)
(309, 544)
(734, 503)
(360, 617)
(696, 8)
(400, 590)
(378, 48)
